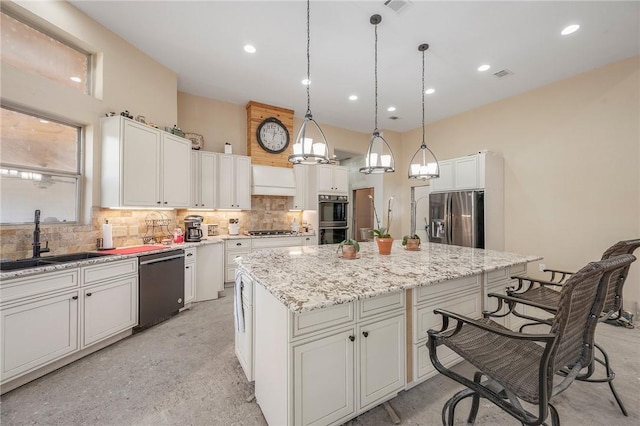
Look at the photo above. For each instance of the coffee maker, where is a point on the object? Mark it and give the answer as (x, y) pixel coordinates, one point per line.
(193, 228)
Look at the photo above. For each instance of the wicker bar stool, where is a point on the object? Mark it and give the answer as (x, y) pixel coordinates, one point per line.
(542, 295)
(516, 366)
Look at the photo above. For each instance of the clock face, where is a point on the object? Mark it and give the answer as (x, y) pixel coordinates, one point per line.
(273, 136)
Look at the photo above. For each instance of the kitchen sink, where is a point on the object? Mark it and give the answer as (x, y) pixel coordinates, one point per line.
(48, 260)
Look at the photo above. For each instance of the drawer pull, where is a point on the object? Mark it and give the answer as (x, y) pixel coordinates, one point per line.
(238, 244)
(89, 294)
(352, 338)
(189, 254)
(186, 267)
(74, 297)
(365, 333)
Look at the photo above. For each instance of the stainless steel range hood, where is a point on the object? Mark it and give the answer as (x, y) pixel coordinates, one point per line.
(269, 180)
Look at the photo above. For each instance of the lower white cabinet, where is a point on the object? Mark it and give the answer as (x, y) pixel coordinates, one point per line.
(46, 317)
(38, 332)
(209, 272)
(109, 308)
(190, 275)
(328, 365)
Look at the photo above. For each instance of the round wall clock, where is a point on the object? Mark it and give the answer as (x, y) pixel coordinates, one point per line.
(273, 136)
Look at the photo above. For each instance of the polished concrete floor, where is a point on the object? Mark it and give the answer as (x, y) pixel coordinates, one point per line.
(184, 372)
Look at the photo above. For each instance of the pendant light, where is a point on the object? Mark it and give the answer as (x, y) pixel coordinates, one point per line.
(379, 158)
(423, 164)
(305, 149)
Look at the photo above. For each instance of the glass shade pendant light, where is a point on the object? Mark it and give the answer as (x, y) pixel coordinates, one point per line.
(311, 145)
(423, 164)
(379, 158)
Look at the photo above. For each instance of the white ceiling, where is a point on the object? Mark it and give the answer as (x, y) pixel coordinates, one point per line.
(202, 41)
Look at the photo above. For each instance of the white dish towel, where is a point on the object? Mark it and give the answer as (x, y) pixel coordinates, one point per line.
(238, 312)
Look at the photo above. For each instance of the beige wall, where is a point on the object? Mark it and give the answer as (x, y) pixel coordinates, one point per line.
(572, 159)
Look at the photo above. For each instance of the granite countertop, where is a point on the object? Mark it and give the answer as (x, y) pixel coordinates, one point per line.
(103, 259)
(314, 277)
(242, 236)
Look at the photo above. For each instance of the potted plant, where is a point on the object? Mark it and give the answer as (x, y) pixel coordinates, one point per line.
(383, 238)
(349, 248)
(411, 242)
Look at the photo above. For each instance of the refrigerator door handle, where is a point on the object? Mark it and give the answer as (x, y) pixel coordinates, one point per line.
(448, 221)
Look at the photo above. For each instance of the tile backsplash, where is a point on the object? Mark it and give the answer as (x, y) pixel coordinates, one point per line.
(130, 226)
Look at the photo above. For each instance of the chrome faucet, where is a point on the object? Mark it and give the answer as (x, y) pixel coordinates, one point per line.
(37, 250)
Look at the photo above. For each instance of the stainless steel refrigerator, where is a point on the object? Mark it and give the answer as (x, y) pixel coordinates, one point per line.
(457, 218)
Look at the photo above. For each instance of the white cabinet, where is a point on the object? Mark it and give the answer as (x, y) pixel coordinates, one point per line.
(327, 365)
(38, 332)
(303, 199)
(234, 182)
(233, 249)
(210, 271)
(109, 308)
(244, 337)
(331, 179)
(190, 275)
(204, 179)
(143, 166)
(324, 379)
(476, 171)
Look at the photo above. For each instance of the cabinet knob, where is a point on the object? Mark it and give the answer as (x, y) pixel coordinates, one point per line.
(74, 297)
(186, 267)
(159, 202)
(189, 254)
(352, 338)
(89, 294)
(166, 202)
(365, 333)
(238, 244)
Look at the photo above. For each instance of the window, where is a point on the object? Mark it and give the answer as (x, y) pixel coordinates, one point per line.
(39, 168)
(33, 51)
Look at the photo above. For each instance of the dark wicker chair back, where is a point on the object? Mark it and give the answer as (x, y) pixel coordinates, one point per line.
(613, 301)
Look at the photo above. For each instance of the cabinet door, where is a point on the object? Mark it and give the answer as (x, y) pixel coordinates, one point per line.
(382, 359)
(176, 171)
(466, 172)
(323, 379)
(109, 309)
(141, 165)
(36, 333)
(310, 240)
(324, 178)
(243, 182)
(207, 180)
(340, 179)
(225, 182)
(189, 282)
(445, 181)
(300, 172)
(244, 342)
(194, 194)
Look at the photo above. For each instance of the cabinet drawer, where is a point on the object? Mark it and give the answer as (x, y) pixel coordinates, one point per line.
(231, 256)
(189, 255)
(95, 273)
(518, 269)
(319, 319)
(238, 245)
(467, 305)
(499, 275)
(446, 288)
(380, 304)
(259, 243)
(37, 284)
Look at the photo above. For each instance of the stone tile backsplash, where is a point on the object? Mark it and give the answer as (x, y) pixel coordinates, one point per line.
(130, 226)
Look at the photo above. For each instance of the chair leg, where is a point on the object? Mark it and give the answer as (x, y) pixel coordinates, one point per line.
(449, 409)
(553, 413)
(475, 403)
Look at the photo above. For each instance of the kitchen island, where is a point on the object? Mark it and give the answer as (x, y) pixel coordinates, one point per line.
(326, 338)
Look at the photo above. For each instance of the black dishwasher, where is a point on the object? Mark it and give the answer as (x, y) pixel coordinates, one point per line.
(161, 287)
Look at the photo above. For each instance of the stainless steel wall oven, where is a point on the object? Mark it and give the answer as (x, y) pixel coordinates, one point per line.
(332, 218)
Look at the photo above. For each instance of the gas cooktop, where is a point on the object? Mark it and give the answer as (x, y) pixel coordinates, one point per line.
(272, 232)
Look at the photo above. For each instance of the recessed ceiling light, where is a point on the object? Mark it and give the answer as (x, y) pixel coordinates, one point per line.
(42, 120)
(76, 79)
(391, 109)
(353, 98)
(570, 29)
(306, 81)
(249, 48)
(484, 67)
(430, 91)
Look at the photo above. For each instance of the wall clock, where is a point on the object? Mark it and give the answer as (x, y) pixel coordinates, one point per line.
(272, 135)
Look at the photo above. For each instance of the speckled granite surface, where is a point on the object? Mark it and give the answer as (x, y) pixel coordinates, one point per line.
(313, 277)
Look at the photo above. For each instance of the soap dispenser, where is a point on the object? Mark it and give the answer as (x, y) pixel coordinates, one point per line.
(294, 225)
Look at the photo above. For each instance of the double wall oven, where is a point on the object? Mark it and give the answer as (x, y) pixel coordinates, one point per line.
(333, 224)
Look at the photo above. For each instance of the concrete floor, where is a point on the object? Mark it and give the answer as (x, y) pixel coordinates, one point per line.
(184, 371)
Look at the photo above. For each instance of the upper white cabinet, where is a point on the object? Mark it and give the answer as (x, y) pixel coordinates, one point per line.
(143, 166)
(331, 179)
(203, 179)
(476, 171)
(303, 199)
(234, 182)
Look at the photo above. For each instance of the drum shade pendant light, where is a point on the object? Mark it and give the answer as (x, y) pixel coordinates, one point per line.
(311, 145)
(379, 158)
(423, 164)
